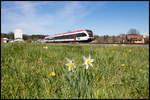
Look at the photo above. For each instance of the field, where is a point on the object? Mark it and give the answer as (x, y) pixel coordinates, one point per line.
(117, 72)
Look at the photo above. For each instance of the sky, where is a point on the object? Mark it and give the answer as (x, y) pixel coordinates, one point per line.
(52, 17)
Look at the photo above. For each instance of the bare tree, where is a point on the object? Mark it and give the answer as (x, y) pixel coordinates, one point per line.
(123, 38)
(11, 35)
(106, 38)
(133, 31)
(113, 39)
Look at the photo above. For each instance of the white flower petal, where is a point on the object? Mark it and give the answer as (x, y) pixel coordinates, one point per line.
(91, 65)
(69, 60)
(84, 58)
(69, 69)
(85, 63)
(67, 64)
(87, 66)
(92, 60)
(89, 56)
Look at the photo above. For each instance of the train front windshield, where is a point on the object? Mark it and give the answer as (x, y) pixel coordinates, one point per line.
(90, 33)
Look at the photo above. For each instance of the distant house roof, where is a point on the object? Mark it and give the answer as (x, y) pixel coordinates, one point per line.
(134, 37)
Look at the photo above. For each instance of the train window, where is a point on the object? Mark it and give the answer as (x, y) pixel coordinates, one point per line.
(62, 37)
(59, 37)
(65, 37)
(68, 36)
(90, 33)
(49, 38)
(80, 34)
(56, 37)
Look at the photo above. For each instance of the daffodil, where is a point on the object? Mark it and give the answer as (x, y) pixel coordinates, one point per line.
(88, 61)
(71, 65)
(52, 74)
(123, 65)
(129, 50)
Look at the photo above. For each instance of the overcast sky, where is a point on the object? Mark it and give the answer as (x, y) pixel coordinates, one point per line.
(52, 17)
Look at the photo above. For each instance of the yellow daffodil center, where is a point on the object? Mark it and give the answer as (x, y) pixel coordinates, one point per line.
(125, 54)
(123, 65)
(52, 73)
(71, 65)
(88, 61)
(130, 50)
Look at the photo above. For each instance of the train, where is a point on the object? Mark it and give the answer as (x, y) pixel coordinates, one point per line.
(74, 36)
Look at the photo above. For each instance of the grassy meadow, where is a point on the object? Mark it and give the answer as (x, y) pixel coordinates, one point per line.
(117, 72)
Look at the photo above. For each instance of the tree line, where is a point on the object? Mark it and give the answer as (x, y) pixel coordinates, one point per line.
(122, 38)
(26, 37)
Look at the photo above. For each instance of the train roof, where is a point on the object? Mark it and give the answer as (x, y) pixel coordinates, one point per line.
(65, 33)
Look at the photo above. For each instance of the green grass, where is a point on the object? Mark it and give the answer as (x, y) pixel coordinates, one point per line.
(26, 68)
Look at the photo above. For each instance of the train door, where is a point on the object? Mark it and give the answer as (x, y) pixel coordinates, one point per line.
(75, 37)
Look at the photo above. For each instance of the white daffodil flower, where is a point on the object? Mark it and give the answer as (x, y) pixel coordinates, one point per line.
(88, 61)
(70, 64)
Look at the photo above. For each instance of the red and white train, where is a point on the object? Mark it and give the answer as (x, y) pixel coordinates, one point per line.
(75, 36)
